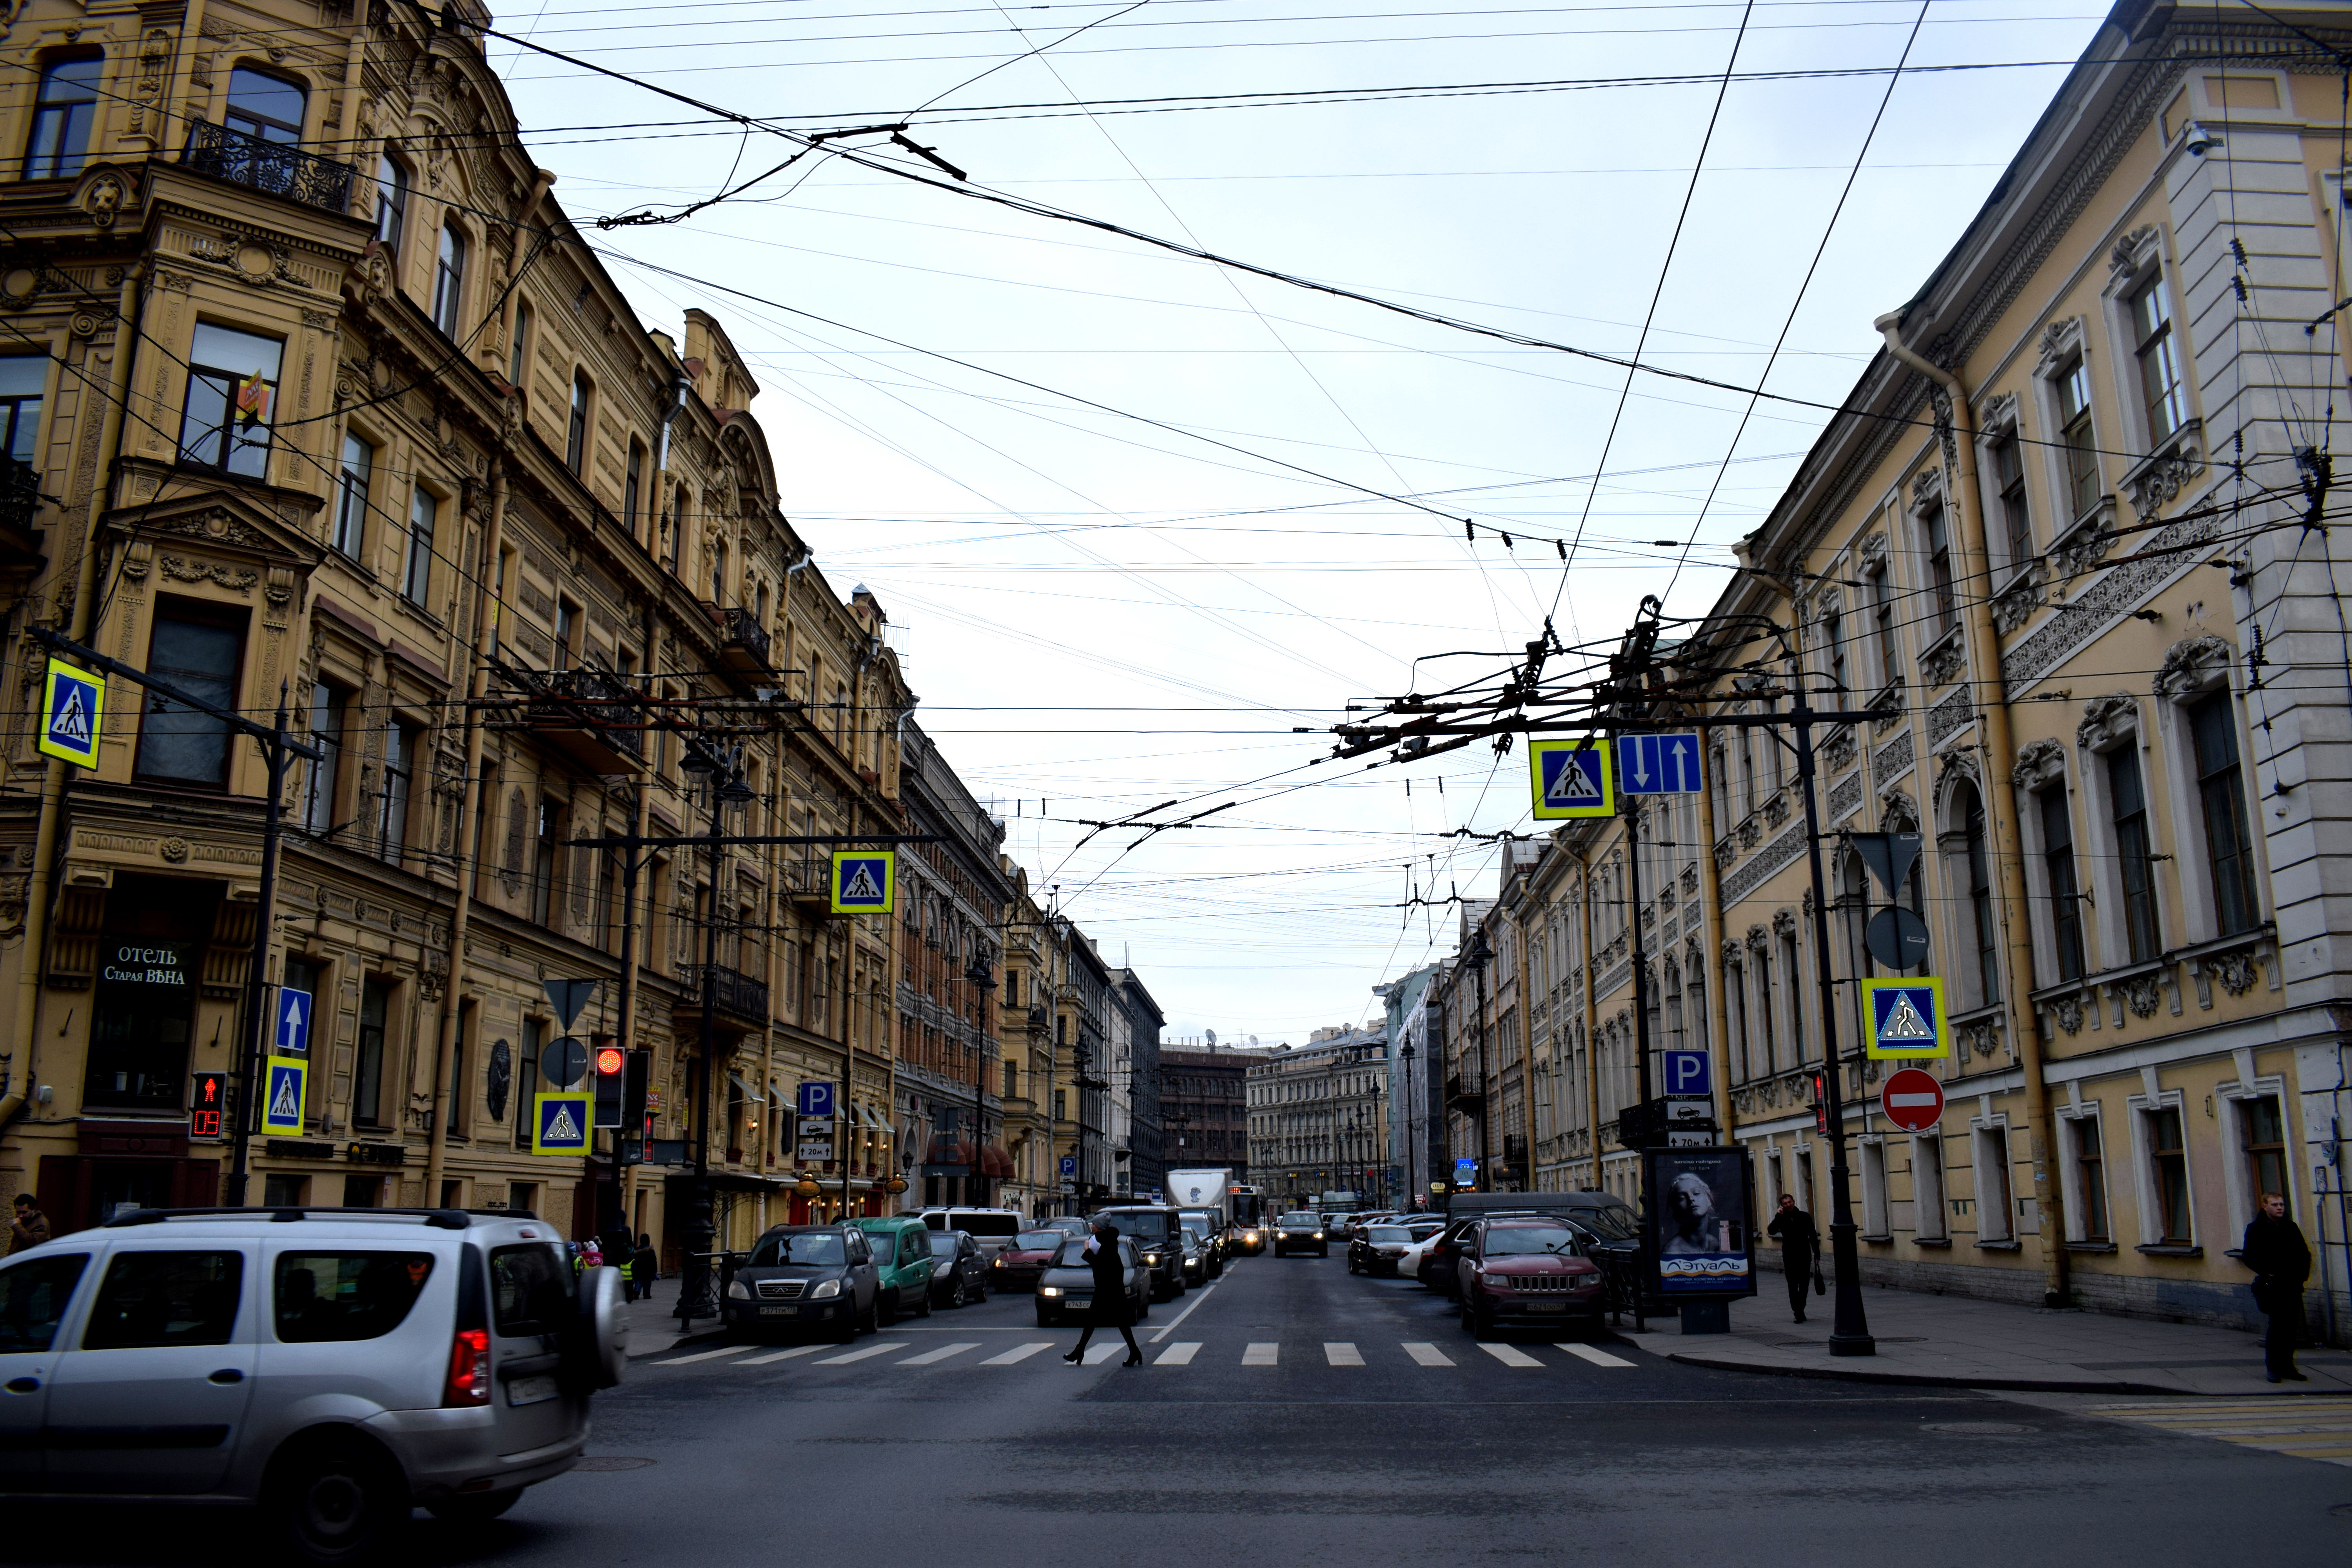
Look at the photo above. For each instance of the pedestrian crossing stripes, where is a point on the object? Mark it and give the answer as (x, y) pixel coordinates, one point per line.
(2308, 1426)
(1339, 1353)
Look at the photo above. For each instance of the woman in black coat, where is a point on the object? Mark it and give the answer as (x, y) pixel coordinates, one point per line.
(1112, 1309)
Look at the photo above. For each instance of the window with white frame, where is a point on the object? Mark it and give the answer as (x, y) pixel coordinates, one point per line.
(1928, 1211)
(2077, 447)
(1935, 544)
(2135, 850)
(1884, 647)
(1875, 1217)
(2221, 798)
(351, 495)
(2157, 350)
(2083, 1163)
(2055, 818)
(1996, 1212)
(2167, 1217)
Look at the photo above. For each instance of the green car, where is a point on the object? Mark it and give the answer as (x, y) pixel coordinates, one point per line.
(902, 1266)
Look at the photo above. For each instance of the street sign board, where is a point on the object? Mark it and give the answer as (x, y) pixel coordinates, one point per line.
(816, 1100)
(1906, 1017)
(1686, 1073)
(1658, 764)
(1701, 1233)
(211, 1089)
(1570, 779)
(1897, 938)
(813, 1142)
(863, 882)
(1889, 856)
(1069, 1164)
(1912, 1100)
(562, 1123)
(73, 704)
(564, 1062)
(569, 996)
(286, 1079)
(293, 1022)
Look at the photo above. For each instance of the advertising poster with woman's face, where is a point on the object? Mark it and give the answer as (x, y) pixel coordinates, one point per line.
(1699, 1231)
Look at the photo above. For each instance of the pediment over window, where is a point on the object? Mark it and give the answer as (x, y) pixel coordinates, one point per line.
(223, 522)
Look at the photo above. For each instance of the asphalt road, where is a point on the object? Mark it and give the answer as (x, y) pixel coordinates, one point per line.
(1232, 1453)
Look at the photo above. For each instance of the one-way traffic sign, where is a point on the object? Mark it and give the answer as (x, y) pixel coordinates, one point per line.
(293, 1022)
(1658, 764)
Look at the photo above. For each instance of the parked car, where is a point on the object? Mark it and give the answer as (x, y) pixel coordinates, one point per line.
(959, 1269)
(1213, 1252)
(1157, 1235)
(1527, 1272)
(1440, 1264)
(1376, 1248)
(335, 1367)
(990, 1228)
(1408, 1262)
(1017, 1267)
(1066, 1292)
(902, 1266)
(1299, 1232)
(800, 1275)
(1220, 1236)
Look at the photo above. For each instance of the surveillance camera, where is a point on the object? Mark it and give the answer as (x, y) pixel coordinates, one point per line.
(2199, 140)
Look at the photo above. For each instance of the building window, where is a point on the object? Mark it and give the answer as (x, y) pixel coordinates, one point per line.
(327, 712)
(2078, 444)
(1985, 929)
(2168, 1175)
(1882, 623)
(23, 378)
(1768, 1052)
(2160, 364)
(198, 650)
(542, 866)
(416, 577)
(351, 495)
(2090, 1178)
(367, 1066)
(2222, 789)
(399, 768)
(2065, 895)
(567, 634)
(575, 440)
(518, 349)
(1927, 1187)
(1936, 534)
(2129, 801)
(1995, 1221)
(391, 206)
(1874, 1189)
(449, 279)
(1834, 649)
(2009, 475)
(632, 484)
(62, 116)
(2263, 1131)
(143, 1001)
(263, 107)
(719, 573)
(232, 393)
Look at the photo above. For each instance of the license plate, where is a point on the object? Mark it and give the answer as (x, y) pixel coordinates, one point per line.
(1077, 1300)
(778, 1312)
(530, 1390)
(1546, 1306)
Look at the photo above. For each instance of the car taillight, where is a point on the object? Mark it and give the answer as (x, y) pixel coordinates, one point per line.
(469, 1368)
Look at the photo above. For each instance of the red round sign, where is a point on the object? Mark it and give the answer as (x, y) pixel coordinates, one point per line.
(1912, 1100)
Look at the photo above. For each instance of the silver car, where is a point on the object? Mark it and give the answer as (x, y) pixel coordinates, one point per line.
(336, 1367)
(1065, 1290)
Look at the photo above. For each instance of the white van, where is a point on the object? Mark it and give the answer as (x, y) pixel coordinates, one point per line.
(993, 1228)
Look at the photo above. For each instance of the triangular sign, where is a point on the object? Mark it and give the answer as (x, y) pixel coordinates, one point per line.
(859, 887)
(562, 1129)
(1903, 1021)
(72, 720)
(1570, 784)
(282, 1107)
(1889, 856)
(569, 996)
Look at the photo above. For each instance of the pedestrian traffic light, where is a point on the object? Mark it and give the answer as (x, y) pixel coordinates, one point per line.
(637, 1076)
(204, 1106)
(611, 1064)
(1820, 1103)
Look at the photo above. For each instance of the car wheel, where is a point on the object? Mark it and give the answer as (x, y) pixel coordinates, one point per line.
(338, 1500)
(872, 1321)
(474, 1507)
(925, 1310)
(886, 1309)
(1482, 1323)
(955, 1292)
(1143, 1307)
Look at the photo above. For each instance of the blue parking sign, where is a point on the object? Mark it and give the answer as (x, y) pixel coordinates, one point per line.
(1069, 1164)
(816, 1101)
(1686, 1073)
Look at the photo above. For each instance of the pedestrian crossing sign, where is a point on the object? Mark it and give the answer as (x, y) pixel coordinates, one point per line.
(282, 1096)
(1907, 1017)
(1572, 779)
(865, 882)
(73, 702)
(562, 1122)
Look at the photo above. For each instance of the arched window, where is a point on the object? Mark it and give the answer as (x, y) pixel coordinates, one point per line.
(62, 116)
(576, 437)
(449, 279)
(390, 204)
(266, 107)
(1984, 932)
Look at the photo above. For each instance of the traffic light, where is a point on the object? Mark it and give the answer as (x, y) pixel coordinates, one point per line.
(1820, 1104)
(636, 1075)
(206, 1105)
(610, 1063)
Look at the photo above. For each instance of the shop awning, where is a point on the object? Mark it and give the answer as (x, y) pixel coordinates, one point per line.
(746, 1090)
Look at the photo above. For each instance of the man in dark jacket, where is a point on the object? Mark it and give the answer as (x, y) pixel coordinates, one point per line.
(2274, 1249)
(30, 1227)
(1800, 1246)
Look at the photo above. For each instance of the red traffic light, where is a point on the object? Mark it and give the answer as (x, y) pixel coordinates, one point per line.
(610, 1059)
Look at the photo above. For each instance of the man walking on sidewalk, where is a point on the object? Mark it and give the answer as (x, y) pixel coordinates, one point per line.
(2274, 1249)
(1801, 1250)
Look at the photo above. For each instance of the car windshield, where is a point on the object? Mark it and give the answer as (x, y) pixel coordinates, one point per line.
(1196, 1227)
(804, 1246)
(943, 1244)
(1388, 1232)
(1609, 1223)
(1142, 1224)
(1309, 1221)
(1037, 1240)
(1531, 1240)
(1074, 1255)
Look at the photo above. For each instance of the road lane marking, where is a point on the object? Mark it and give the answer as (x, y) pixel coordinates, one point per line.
(703, 1355)
(882, 1349)
(1260, 1353)
(1510, 1355)
(1098, 1354)
(1340, 1353)
(1018, 1353)
(1179, 1354)
(782, 1356)
(1426, 1354)
(1598, 1358)
(1178, 1319)
(929, 1358)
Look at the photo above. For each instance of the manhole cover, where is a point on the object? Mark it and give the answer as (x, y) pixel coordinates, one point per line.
(1975, 1428)
(612, 1462)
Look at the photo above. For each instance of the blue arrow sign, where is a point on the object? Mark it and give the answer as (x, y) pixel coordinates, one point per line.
(1686, 1073)
(1658, 764)
(816, 1100)
(293, 1022)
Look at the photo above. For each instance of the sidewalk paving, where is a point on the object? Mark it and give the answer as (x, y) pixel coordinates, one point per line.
(653, 1322)
(1955, 1341)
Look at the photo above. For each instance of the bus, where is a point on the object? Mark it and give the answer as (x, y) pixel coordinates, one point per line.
(1248, 1205)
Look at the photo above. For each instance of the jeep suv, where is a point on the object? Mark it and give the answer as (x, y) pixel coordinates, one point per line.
(1301, 1232)
(1528, 1273)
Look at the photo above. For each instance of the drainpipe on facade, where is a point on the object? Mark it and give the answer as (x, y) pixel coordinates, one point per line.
(40, 881)
(346, 126)
(1591, 1047)
(2017, 936)
(1718, 994)
(486, 611)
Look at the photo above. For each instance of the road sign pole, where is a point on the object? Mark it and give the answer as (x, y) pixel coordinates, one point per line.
(257, 980)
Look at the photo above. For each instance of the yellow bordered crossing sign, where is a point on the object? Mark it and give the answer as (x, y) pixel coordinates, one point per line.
(287, 1080)
(73, 706)
(1906, 1017)
(1572, 779)
(562, 1123)
(863, 882)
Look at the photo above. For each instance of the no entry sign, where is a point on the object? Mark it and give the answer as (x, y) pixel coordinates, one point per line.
(1912, 1100)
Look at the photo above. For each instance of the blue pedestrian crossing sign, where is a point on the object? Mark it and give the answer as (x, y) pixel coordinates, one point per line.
(562, 1123)
(1906, 1017)
(282, 1095)
(816, 1100)
(293, 1022)
(863, 882)
(1658, 764)
(1686, 1073)
(73, 704)
(1572, 779)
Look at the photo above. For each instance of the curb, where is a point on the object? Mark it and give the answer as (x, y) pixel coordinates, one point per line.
(1935, 1380)
(708, 1336)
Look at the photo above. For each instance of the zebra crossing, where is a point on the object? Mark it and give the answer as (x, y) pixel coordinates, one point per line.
(911, 1352)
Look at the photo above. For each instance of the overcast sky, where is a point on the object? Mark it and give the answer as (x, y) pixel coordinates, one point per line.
(1103, 614)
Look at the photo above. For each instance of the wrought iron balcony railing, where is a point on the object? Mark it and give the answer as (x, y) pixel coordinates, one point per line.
(744, 629)
(732, 991)
(20, 494)
(268, 167)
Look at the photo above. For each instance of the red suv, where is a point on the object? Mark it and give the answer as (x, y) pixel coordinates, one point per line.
(1529, 1273)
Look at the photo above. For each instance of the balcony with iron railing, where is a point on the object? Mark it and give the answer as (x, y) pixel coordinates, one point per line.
(271, 167)
(20, 497)
(743, 641)
(738, 1001)
(587, 714)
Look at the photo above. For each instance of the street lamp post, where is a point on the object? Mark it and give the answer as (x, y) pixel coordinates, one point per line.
(981, 979)
(1404, 1054)
(723, 770)
(1480, 955)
